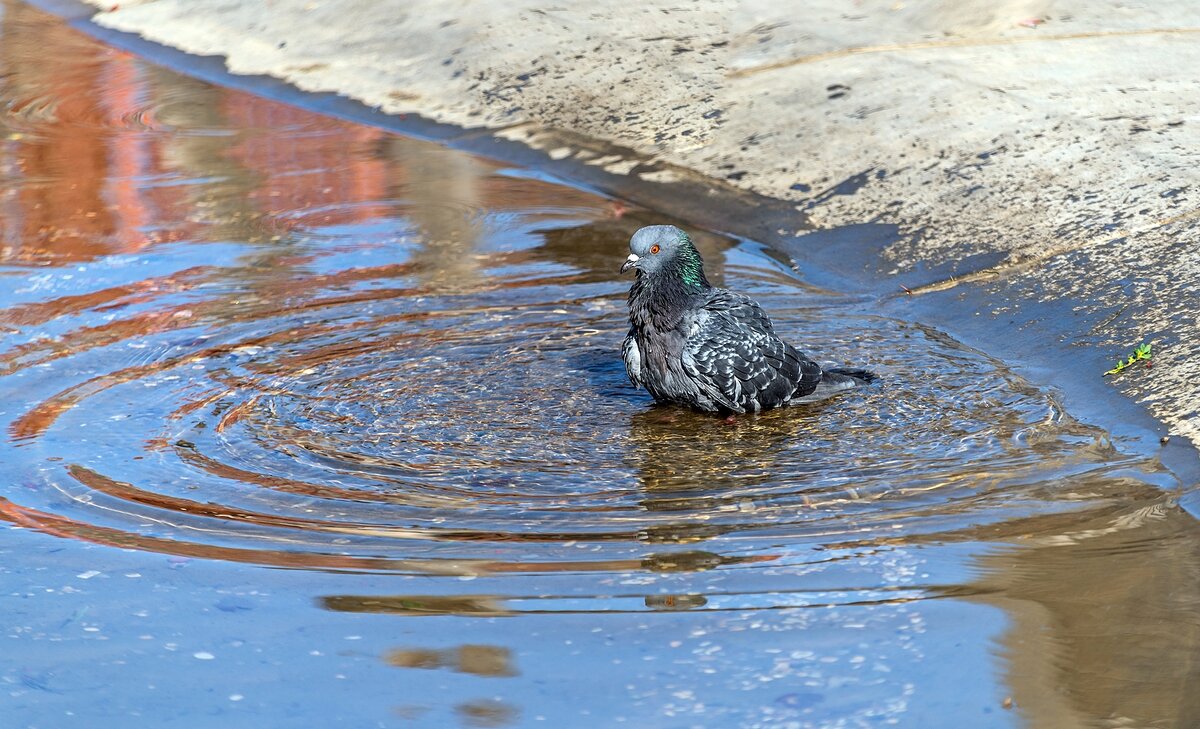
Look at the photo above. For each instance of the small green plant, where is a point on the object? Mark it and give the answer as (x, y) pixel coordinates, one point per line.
(1142, 352)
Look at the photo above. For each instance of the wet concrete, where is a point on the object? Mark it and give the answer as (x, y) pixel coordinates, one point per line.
(1034, 161)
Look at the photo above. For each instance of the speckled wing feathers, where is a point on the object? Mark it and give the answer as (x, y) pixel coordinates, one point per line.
(735, 358)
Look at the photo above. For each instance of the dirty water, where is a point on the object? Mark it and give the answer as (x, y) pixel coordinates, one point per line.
(307, 423)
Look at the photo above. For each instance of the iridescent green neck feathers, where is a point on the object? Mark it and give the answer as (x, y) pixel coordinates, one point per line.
(691, 267)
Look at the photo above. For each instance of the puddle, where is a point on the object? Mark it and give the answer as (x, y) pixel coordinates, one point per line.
(274, 384)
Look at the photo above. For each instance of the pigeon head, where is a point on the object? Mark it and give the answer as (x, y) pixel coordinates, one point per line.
(666, 253)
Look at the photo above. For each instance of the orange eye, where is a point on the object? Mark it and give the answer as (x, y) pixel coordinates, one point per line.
(654, 248)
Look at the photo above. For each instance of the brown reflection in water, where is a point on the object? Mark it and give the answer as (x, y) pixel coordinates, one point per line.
(480, 660)
(678, 451)
(675, 602)
(410, 712)
(696, 464)
(443, 196)
(1105, 620)
(497, 605)
(487, 713)
(419, 605)
(694, 561)
(221, 208)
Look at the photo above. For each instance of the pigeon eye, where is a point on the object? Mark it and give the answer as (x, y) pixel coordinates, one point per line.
(654, 248)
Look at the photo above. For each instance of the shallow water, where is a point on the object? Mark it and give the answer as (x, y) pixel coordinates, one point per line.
(273, 384)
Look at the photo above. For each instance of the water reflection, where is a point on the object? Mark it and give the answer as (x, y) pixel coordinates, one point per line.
(60, 124)
(478, 660)
(675, 602)
(419, 605)
(487, 713)
(1103, 618)
(444, 199)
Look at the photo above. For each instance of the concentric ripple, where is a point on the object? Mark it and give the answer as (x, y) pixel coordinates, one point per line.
(406, 416)
(279, 339)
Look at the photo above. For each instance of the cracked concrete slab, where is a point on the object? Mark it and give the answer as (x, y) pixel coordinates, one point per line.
(1041, 152)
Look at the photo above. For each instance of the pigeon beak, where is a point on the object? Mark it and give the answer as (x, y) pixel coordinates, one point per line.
(630, 262)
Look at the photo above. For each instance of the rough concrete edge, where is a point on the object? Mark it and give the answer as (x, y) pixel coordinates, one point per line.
(713, 205)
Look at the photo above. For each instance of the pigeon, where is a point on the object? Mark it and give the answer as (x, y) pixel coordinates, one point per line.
(694, 344)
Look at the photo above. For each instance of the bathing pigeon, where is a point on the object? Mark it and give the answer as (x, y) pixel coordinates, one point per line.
(694, 344)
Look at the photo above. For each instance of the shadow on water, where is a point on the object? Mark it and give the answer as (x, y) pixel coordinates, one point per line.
(239, 335)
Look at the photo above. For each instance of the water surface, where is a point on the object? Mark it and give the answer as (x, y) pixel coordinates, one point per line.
(274, 385)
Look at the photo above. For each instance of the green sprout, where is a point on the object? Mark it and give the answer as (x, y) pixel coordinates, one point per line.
(1142, 352)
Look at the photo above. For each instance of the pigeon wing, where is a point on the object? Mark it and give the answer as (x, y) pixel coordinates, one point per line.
(633, 359)
(735, 358)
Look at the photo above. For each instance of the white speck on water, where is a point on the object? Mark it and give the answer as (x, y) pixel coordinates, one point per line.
(236, 697)
(88, 575)
(353, 637)
(203, 656)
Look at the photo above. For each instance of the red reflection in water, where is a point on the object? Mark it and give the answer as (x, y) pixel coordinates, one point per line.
(87, 144)
(62, 208)
(334, 165)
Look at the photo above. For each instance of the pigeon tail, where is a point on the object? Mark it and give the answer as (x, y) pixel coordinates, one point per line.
(855, 373)
(837, 379)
